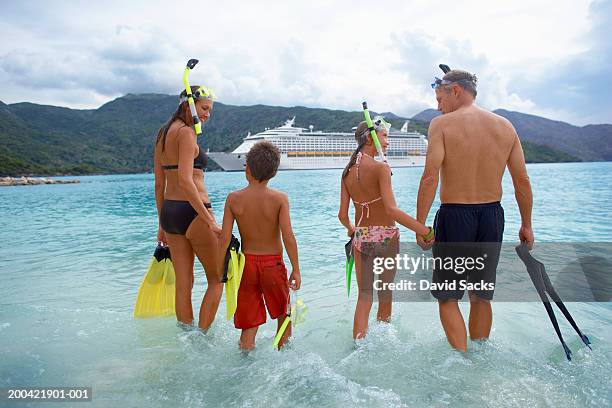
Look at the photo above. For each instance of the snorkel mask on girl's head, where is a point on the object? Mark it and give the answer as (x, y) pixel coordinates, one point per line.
(380, 124)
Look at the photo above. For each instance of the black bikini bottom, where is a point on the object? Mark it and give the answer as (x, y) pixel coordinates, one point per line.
(177, 215)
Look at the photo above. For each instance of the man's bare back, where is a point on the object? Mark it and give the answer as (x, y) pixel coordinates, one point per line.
(257, 209)
(477, 147)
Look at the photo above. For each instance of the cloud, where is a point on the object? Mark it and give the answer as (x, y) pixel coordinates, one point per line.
(316, 54)
(577, 88)
(421, 53)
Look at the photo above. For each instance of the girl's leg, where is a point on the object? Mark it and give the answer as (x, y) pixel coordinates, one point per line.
(182, 260)
(247, 338)
(287, 332)
(385, 297)
(205, 244)
(363, 268)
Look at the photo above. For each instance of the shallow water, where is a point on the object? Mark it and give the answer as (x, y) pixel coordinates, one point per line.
(74, 255)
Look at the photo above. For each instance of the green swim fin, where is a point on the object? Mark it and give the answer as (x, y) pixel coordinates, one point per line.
(153, 296)
(233, 276)
(350, 261)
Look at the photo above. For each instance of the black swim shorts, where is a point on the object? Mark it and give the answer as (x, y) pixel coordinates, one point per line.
(467, 247)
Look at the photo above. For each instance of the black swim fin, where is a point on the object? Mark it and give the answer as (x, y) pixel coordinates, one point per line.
(233, 245)
(541, 281)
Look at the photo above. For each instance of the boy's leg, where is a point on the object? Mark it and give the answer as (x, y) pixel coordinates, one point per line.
(247, 338)
(287, 332)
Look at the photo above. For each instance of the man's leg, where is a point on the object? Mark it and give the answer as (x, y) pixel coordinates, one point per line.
(453, 324)
(481, 318)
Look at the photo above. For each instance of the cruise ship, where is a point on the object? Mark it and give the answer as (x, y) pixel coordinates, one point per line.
(306, 149)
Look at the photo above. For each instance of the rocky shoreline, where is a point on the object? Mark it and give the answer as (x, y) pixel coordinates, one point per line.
(32, 181)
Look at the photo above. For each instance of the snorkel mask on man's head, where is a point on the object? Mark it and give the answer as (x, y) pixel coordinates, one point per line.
(462, 78)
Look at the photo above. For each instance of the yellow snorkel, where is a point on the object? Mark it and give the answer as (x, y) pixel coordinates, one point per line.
(201, 93)
(197, 126)
(296, 312)
(368, 120)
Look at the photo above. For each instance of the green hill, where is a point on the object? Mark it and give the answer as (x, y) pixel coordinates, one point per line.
(119, 136)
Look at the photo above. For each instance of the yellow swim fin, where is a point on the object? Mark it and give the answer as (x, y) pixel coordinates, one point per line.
(152, 289)
(167, 295)
(233, 276)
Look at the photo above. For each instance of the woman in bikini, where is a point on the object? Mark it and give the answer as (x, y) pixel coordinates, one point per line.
(186, 221)
(367, 183)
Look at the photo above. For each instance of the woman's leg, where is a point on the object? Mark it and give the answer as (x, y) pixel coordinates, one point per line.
(182, 260)
(385, 297)
(363, 268)
(205, 243)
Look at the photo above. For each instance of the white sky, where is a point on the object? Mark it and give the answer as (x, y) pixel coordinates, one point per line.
(315, 53)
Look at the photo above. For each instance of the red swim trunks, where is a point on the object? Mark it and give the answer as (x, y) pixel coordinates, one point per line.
(264, 279)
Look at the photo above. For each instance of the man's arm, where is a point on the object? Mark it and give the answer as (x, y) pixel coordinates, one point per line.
(522, 188)
(289, 242)
(431, 172)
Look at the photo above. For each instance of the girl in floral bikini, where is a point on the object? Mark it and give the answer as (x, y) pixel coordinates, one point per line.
(368, 183)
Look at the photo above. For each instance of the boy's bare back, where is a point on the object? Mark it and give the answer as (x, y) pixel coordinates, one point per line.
(257, 210)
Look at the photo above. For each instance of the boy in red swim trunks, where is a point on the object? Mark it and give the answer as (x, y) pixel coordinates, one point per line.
(262, 215)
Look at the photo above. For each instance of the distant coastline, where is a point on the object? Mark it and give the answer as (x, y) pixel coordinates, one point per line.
(119, 137)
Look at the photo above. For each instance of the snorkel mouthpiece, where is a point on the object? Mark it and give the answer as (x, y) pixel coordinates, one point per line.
(445, 68)
(197, 125)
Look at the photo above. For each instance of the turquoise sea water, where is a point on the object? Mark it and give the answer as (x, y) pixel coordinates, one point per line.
(73, 256)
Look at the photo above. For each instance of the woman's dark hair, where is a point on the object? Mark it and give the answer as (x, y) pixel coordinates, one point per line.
(361, 137)
(182, 113)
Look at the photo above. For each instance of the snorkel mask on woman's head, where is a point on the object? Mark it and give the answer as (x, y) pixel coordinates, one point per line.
(201, 93)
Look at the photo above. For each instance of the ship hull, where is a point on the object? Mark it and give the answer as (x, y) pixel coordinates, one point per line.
(237, 162)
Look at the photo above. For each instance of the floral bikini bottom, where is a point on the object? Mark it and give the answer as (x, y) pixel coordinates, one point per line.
(370, 239)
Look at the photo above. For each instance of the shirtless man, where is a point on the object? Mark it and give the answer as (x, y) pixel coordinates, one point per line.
(469, 149)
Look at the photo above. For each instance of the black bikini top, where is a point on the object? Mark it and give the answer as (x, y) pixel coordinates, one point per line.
(199, 162)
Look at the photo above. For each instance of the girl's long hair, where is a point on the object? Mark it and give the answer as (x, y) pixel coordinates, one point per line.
(182, 113)
(361, 136)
